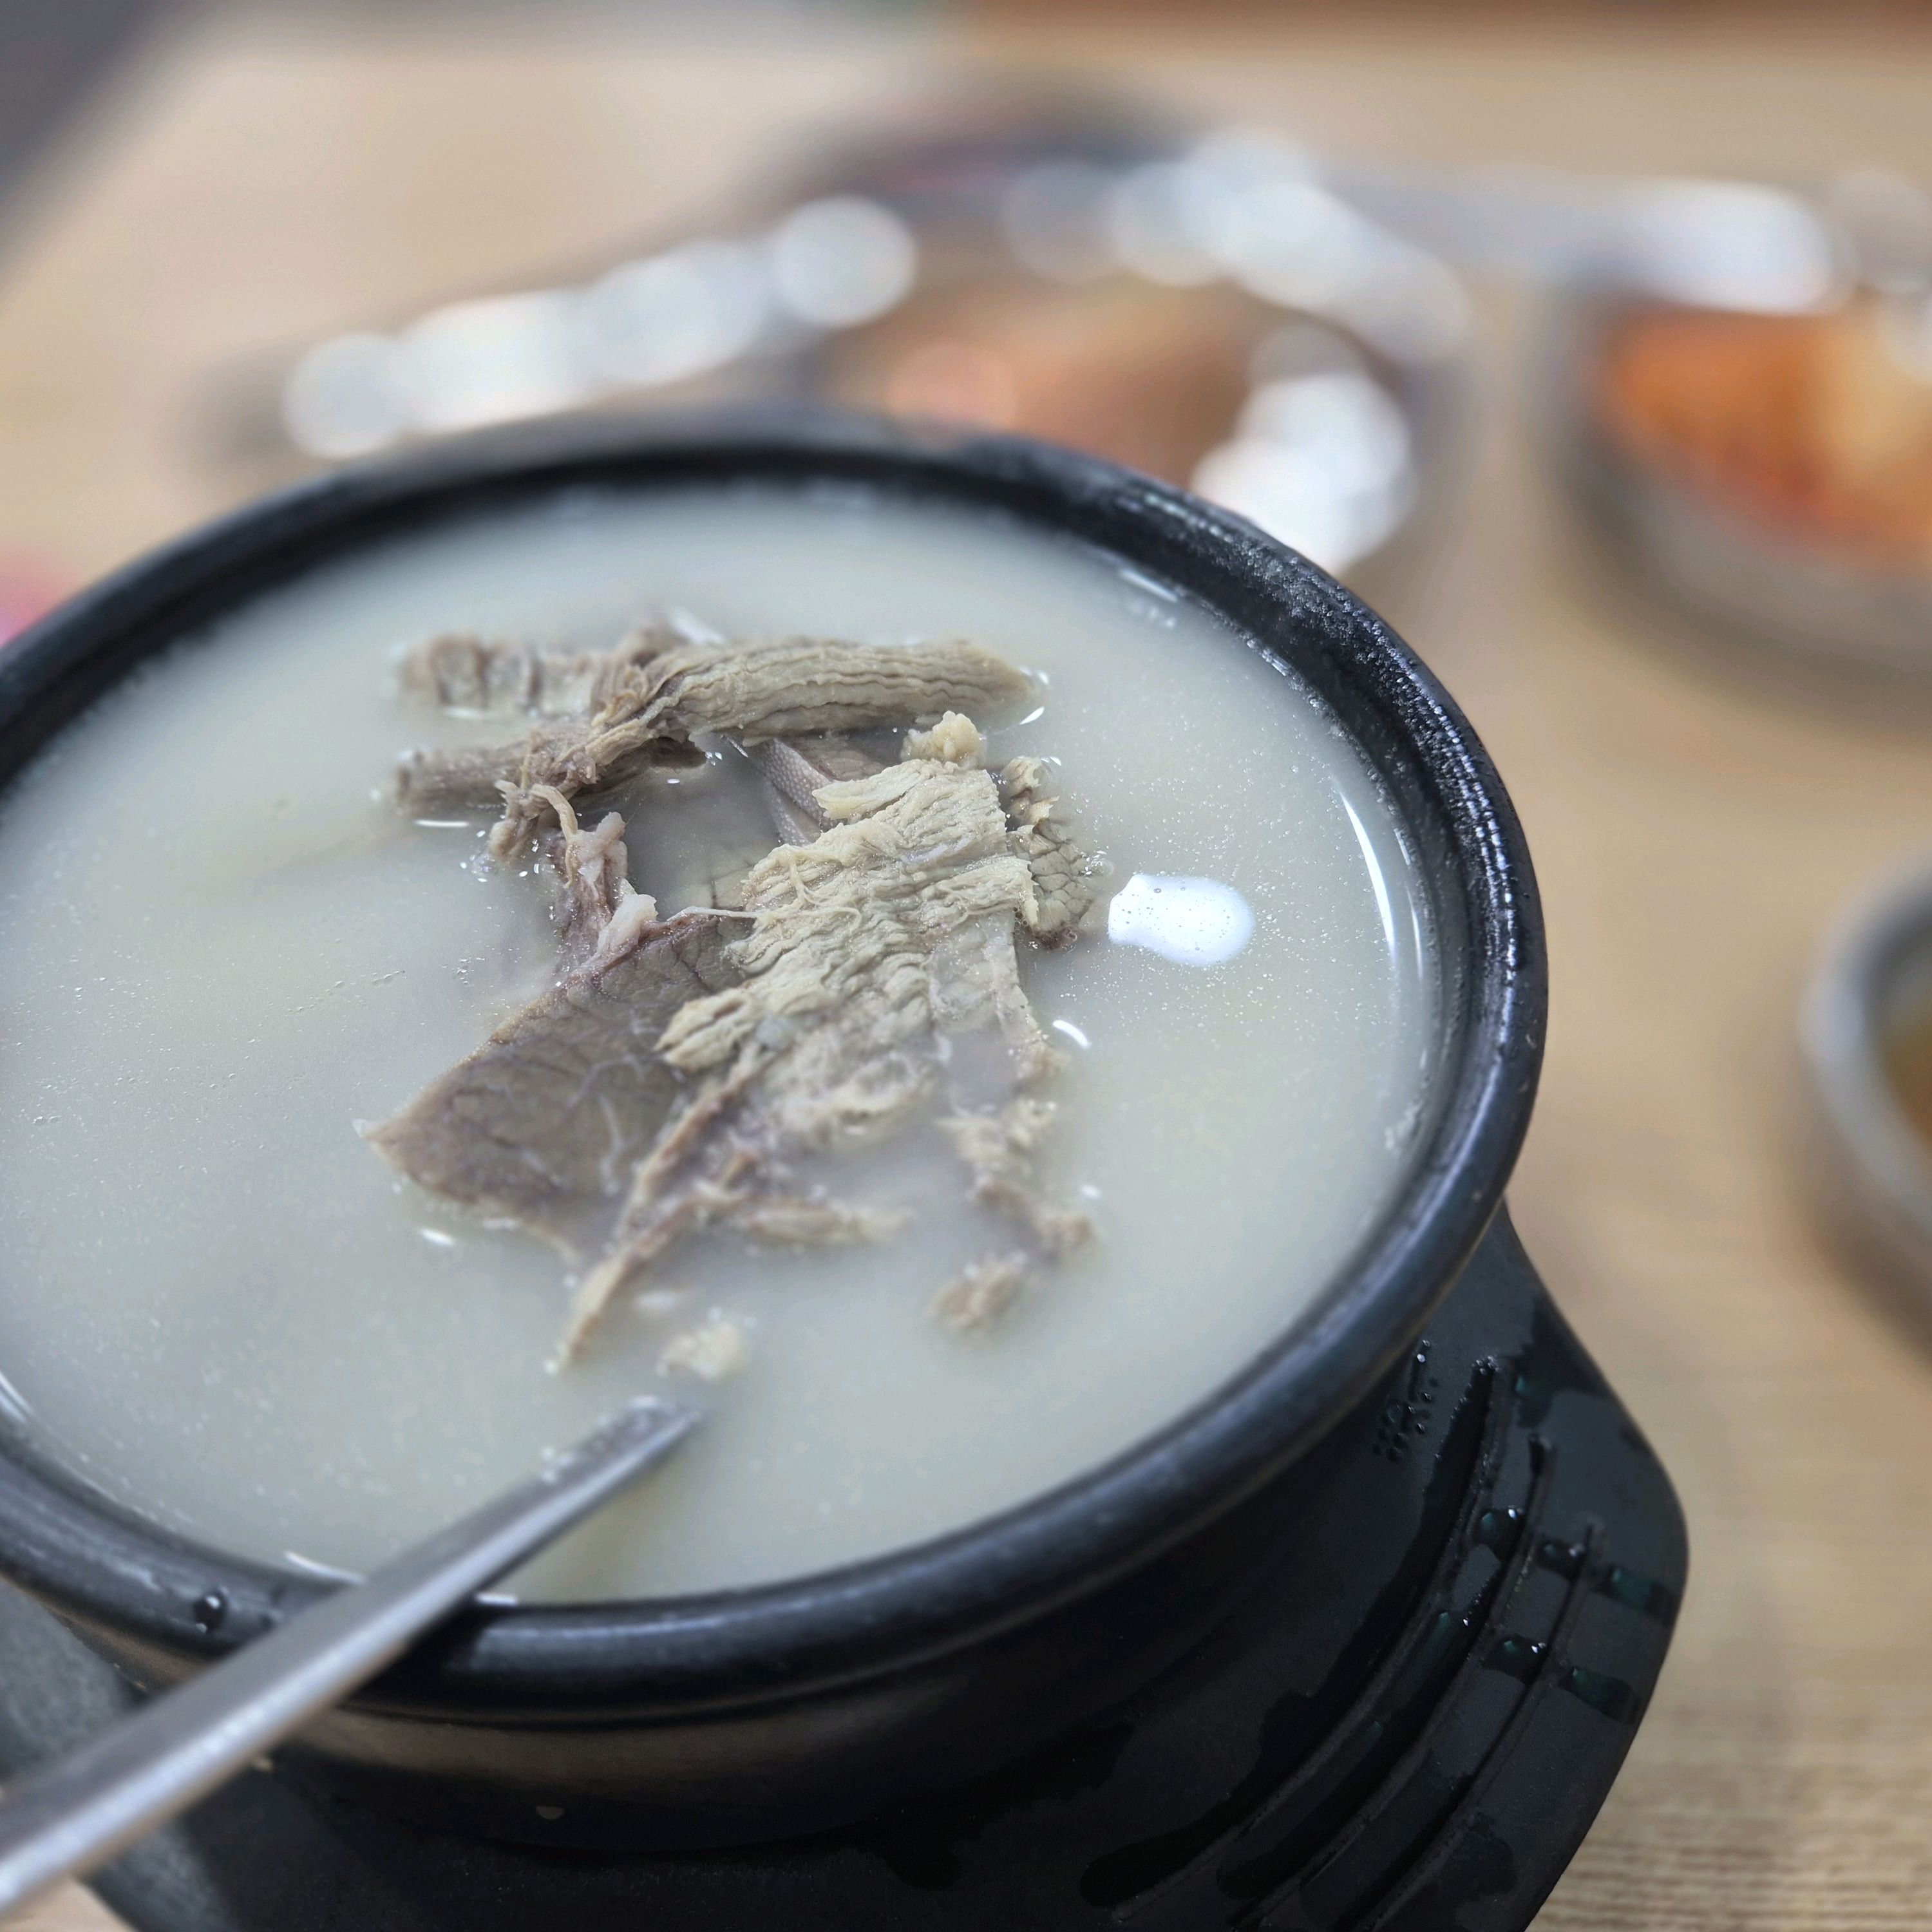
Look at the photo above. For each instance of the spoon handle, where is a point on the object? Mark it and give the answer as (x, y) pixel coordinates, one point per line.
(65, 1818)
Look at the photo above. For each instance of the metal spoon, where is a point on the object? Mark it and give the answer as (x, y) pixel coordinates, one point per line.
(64, 1819)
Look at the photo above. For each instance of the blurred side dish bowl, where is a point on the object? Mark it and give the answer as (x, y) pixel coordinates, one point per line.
(1771, 473)
(1866, 1034)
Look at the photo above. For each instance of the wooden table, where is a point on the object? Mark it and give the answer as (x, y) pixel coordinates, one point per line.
(1696, 830)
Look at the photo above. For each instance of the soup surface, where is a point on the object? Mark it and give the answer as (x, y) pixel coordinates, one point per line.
(222, 948)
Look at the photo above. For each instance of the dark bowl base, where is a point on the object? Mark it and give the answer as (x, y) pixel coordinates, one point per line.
(1441, 1774)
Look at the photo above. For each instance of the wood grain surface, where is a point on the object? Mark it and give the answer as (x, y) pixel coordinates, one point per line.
(1697, 823)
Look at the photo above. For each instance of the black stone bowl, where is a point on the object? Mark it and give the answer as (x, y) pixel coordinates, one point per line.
(772, 1713)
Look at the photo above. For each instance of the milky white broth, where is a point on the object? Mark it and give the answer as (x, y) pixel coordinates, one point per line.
(221, 947)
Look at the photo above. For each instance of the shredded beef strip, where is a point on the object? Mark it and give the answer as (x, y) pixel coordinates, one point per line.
(1065, 878)
(646, 710)
(981, 1292)
(998, 1149)
(593, 873)
(465, 674)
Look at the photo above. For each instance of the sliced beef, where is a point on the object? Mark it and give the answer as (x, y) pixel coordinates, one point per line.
(553, 1113)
